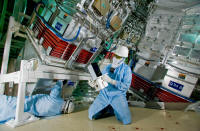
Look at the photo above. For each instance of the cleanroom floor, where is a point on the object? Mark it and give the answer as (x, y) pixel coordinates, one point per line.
(143, 120)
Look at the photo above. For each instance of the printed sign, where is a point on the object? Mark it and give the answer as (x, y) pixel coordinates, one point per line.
(175, 85)
(58, 26)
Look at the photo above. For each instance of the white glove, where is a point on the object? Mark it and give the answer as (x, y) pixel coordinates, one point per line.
(92, 83)
(108, 79)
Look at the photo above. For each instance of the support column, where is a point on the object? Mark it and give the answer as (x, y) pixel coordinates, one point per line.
(20, 94)
(20, 102)
(21, 117)
(6, 52)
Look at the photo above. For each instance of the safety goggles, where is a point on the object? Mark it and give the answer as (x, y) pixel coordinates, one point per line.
(118, 57)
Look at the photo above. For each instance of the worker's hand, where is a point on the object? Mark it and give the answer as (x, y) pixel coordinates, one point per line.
(92, 83)
(108, 79)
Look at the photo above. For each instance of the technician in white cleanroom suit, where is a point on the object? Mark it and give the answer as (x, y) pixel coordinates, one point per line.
(112, 99)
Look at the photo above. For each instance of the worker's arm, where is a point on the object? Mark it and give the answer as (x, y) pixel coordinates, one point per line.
(56, 90)
(122, 84)
(125, 82)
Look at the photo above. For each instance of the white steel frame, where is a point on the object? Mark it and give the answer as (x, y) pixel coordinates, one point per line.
(26, 75)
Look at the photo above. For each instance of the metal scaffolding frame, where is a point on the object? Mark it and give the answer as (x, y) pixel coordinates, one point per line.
(27, 74)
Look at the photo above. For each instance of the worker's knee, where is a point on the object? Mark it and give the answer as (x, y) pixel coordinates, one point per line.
(127, 121)
(90, 117)
(125, 117)
(90, 113)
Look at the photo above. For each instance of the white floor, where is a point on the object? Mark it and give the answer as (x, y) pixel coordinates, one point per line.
(143, 120)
